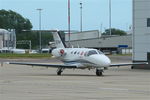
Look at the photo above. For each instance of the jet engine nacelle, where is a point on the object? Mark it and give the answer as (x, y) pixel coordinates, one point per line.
(59, 52)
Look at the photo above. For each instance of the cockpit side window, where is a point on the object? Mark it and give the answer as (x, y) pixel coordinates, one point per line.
(92, 52)
(100, 52)
(78, 53)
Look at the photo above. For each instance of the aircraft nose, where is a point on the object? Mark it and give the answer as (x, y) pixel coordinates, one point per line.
(105, 61)
(102, 60)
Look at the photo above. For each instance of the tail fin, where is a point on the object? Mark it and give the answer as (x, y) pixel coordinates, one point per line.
(58, 40)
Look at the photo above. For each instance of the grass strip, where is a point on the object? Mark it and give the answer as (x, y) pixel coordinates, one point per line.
(11, 56)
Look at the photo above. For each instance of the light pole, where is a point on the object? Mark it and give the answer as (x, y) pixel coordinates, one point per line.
(69, 21)
(110, 17)
(81, 16)
(40, 43)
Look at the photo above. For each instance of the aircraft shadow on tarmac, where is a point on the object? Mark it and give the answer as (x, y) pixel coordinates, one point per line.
(86, 75)
(73, 75)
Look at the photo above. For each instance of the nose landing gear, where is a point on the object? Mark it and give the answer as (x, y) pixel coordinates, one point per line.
(59, 71)
(99, 72)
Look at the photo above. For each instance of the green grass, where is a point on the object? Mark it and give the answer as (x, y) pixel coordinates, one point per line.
(11, 56)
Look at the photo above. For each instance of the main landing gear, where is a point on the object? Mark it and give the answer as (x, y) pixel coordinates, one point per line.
(99, 72)
(59, 71)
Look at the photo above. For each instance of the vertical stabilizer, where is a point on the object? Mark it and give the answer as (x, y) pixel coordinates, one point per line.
(58, 40)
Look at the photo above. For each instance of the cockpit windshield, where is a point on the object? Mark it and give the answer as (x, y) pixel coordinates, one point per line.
(92, 52)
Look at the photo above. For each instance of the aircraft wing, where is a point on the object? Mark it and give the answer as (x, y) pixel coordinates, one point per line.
(45, 64)
(127, 64)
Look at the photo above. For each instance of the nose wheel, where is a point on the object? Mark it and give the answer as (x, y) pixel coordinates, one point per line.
(99, 72)
(59, 71)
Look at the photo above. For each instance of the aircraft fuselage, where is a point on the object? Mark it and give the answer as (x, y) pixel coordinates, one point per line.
(83, 56)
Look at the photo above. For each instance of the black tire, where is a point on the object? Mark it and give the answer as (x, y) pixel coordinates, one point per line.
(59, 73)
(132, 67)
(99, 72)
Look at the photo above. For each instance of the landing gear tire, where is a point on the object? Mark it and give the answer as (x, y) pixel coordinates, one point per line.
(132, 67)
(99, 72)
(59, 71)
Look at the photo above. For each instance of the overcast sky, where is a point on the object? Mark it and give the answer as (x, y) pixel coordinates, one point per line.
(54, 14)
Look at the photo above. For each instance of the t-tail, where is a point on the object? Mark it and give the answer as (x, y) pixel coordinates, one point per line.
(58, 40)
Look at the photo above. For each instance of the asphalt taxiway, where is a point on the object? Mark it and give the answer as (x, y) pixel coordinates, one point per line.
(37, 83)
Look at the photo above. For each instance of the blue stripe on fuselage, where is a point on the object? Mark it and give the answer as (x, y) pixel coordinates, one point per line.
(78, 61)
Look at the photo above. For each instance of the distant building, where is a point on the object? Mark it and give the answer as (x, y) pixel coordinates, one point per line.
(108, 44)
(7, 39)
(83, 35)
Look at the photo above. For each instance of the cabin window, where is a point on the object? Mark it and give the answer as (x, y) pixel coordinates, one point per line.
(75, 52)
(148, 22)
(78, 53)
(92, 52)
(82, 53)
(85, 54)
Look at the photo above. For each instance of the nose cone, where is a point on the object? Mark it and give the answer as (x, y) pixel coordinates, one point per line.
(105, 61)
(101, 60)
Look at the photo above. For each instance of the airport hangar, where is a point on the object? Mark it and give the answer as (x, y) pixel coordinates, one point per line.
(141, 32)
(107, 44)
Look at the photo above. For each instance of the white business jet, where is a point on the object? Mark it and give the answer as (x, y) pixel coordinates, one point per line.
(77, 58)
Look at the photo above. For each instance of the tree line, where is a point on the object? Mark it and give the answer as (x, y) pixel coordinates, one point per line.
(13, 20)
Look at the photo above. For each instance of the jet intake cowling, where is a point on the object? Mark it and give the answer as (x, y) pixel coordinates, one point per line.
(59, 52)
